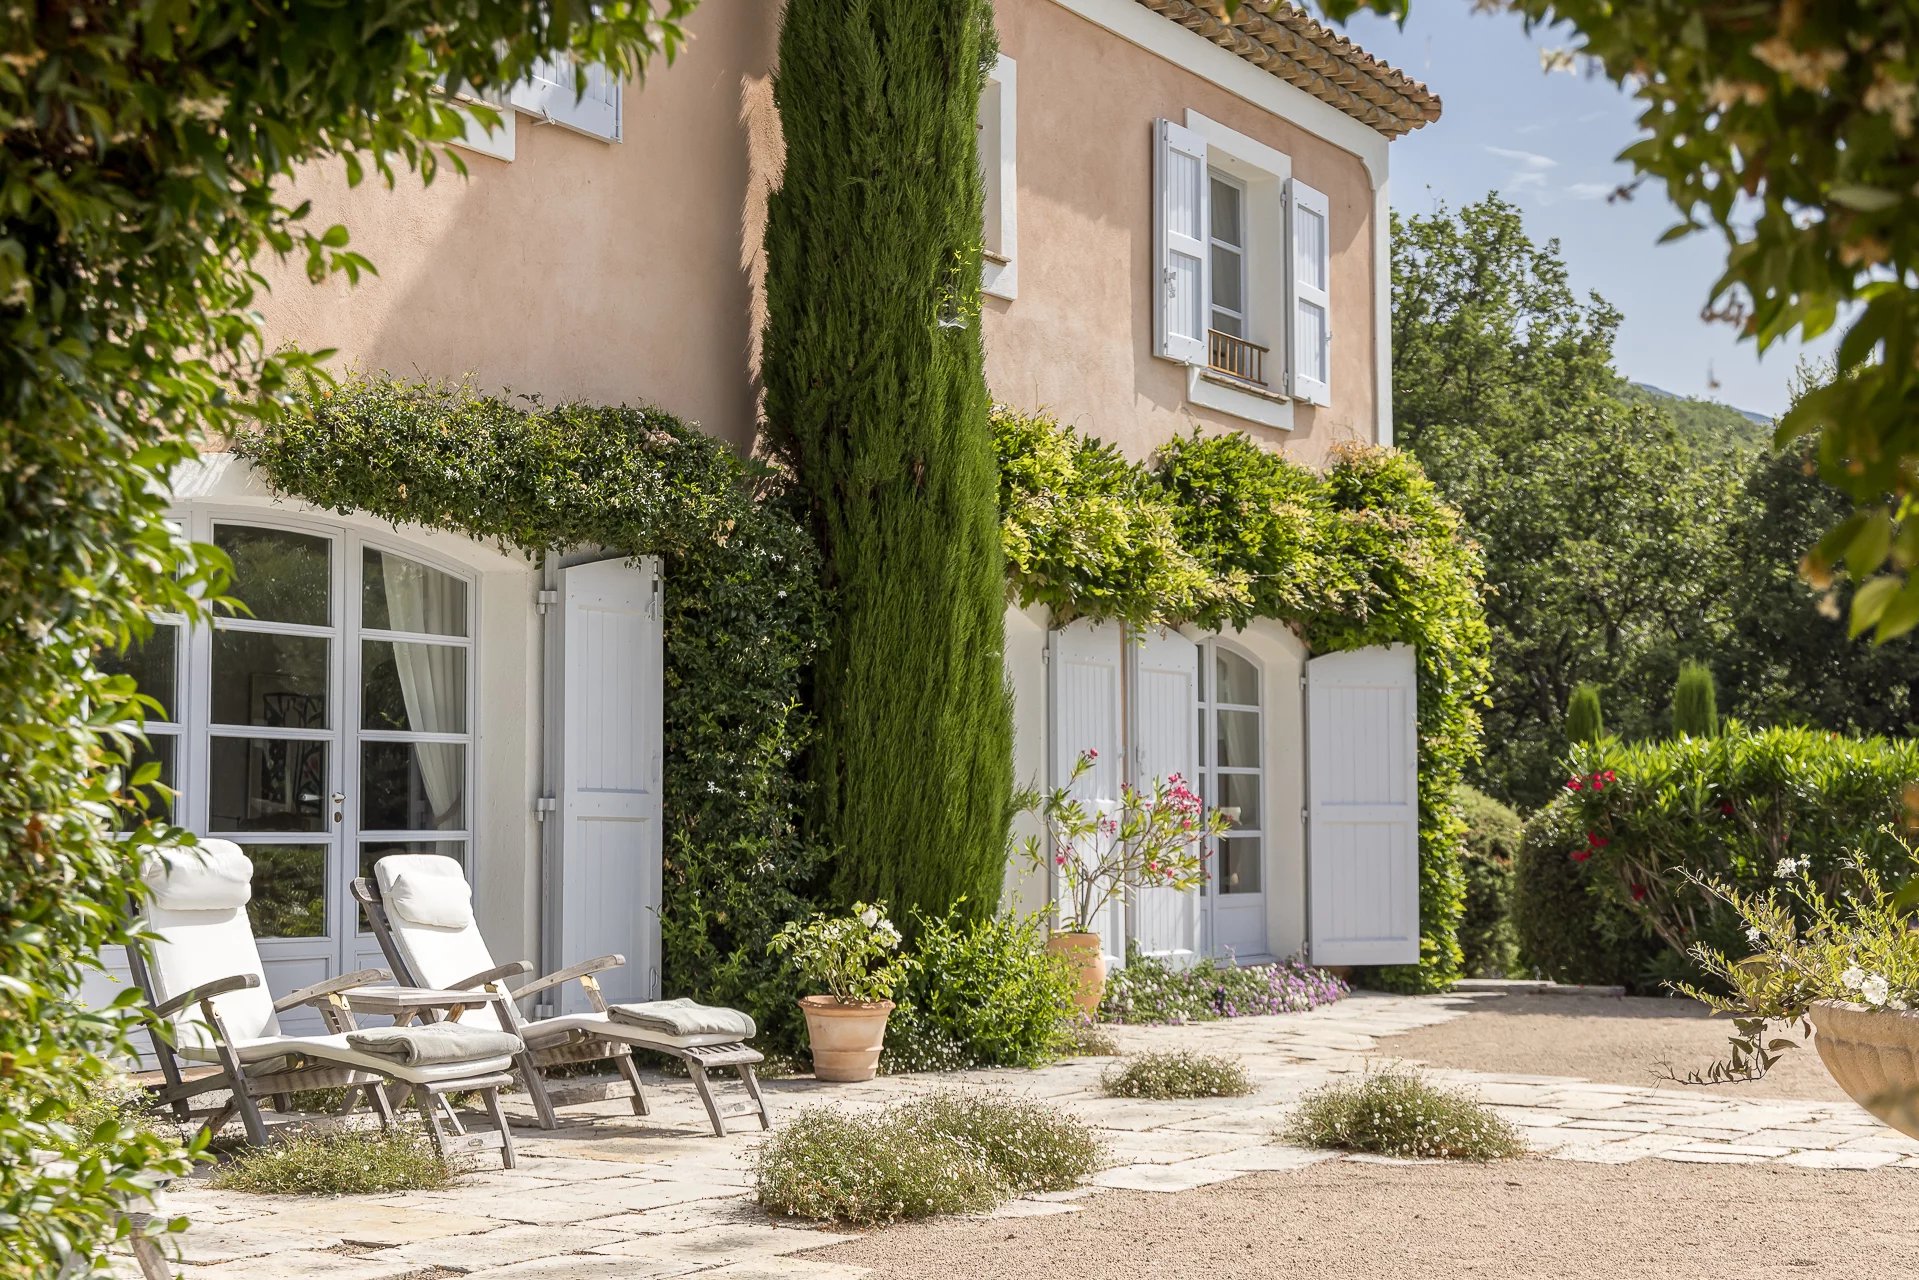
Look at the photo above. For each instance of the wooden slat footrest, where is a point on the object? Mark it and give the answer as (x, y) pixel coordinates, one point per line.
(721, 1055)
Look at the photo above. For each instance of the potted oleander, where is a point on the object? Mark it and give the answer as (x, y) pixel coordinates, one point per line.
(857, 958)
(1846, 969)
(1157, 837)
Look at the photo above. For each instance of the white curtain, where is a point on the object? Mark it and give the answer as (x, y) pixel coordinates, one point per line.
(432, 676)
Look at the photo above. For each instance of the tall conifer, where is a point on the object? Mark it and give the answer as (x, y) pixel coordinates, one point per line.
(876, 396)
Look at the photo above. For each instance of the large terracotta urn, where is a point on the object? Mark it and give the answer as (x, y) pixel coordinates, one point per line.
(846, 1038)
(1087, 959)
(1873, 1054)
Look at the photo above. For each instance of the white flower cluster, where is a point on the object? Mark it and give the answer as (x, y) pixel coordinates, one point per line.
(1872, 988)
(1787, 868)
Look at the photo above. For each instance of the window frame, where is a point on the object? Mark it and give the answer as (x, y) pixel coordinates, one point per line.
(1241, 252)
(999, 159)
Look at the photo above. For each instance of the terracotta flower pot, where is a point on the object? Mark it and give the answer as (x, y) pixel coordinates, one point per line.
(1873, 1054)
(846, 1038)
(1088, 959)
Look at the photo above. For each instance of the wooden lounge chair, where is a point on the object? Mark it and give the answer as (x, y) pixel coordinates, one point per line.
(202, 977)
(421, 912)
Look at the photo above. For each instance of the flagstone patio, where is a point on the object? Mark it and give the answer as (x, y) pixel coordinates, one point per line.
(615, 1195)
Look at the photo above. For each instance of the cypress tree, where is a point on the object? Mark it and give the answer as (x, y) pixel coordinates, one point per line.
(876, 398)
(1695, 702)
(1584, 723)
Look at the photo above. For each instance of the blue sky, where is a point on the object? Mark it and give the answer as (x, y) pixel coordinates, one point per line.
(1547, 143)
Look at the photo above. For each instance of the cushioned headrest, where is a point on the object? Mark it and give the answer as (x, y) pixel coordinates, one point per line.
(425, 888)
(210, 876)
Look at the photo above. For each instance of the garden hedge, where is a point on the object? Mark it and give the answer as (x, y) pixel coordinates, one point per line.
(1748, 807)
(1492, 848)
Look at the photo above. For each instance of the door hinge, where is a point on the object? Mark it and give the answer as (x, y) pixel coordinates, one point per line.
(546, 598)
(543, 806)
(1302, 682)
(1305, 816)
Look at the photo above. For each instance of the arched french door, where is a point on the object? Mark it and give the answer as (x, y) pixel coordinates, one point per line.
(327, 721)
(1233, 778)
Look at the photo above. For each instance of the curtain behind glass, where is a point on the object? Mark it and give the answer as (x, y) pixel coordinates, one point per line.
(432, 676)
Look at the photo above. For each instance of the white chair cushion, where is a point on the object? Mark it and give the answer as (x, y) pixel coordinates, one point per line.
(598, 1024)
(210, 876)
(438, 956)
(335, 1050)
(439, 902)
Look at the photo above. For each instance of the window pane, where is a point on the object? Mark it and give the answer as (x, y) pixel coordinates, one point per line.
(153, 663)
(163, 747)
(413, 686)
(412, 786)
(1228, 323)
(1240, 791)
(1237, 745)
(1227, 290)
(1238, 869)
(1225, 215)
(1238, 679)
(373, 850)
(266, 784)
(398, 594)
(289, 890)
(270, 680)
(281, 576)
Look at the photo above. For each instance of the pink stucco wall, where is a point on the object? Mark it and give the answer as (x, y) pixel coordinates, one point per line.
(627, 271)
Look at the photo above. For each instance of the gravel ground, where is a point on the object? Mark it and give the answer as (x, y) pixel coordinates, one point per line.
(1605, 1039)
(1527, 1218)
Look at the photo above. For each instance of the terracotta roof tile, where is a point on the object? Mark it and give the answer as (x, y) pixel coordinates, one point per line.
(1279, 37)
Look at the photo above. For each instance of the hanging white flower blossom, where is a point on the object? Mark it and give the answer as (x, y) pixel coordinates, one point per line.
(1790, 867)
(1754, 936)
(870, 917)
(1853, 978)
(1875, 990)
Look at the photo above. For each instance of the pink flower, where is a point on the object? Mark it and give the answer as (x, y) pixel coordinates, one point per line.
(1596, 841)
(1060, 858)
(1091, 754)
(1639, 893)
(1575, 784)
(1580, 855)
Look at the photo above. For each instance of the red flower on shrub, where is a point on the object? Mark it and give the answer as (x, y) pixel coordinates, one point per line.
(1596, 840)
(1639, 893)
(1725, 807)
(1575, 784)
(1580, 855)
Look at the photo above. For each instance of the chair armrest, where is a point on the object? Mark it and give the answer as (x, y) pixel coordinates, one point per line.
(206, 991)
(346, 981)
(584, 969)
(511, 969)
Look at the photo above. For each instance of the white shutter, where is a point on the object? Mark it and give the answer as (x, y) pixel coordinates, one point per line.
(1083, 679)
(1165, 715)
(1311, 277)
(552, 92)
(1180, 288)
(1362, 863)
(603, 884)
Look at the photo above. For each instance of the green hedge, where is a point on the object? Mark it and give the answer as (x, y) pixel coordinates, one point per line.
(1746, 807)
(1492, 848)
(1218, 531)
(743, 617)
(1563, 929)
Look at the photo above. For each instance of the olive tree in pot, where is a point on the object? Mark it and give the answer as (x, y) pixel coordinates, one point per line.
(857, 958)
(1158, 838)
(1846, 968)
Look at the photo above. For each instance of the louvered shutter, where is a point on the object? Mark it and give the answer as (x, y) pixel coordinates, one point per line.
(553, 92)
(1165, 715)
(1362, 861)
(1311, 277)
(1085, 666)
(1180, 270)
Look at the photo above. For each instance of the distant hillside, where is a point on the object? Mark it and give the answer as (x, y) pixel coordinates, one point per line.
(1707, 422)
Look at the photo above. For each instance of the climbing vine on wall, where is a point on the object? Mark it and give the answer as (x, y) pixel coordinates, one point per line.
(1222, 532)
(744, 614)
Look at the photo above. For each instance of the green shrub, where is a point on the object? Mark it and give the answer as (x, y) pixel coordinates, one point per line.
(1695, 702)
(337, 1162)
(1748, 808)
(1584, 720)
(1148, 990)
(1177, 1074)
(1565, 930)
(1086, 1038)
(1492, 845)
(1395, 1112)
(981, 993)
(946, 1152)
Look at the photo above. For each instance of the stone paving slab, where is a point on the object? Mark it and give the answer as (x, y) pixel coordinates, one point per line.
(613, 1195)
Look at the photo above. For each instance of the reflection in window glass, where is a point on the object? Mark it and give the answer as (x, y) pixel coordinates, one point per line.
(398, 594)
(412, 786)
(280, 576)
(262, 679)
(1239, 863)
(411, 685)
(154, 665)
(1240, 791)
(373, 850)
(266, 784)
(1237, 745)
(1238, 679)
(164, 748)
(289, 890)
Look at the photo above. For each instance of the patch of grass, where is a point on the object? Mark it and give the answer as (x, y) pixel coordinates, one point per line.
(314, 1162)
(1396, 1112)
(947, 1152)
(1177, 1074)
(1084, 1037)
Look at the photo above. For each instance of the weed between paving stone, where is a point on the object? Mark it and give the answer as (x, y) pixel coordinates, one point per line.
(1392, 1111)
(946, 1152)
(1177, 1074)
(331, 1162)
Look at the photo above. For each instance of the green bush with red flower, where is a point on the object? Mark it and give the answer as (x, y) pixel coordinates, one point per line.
(1749, 809)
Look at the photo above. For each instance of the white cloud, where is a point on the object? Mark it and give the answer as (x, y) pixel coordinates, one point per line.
(1531, 160)
(1591, 190)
